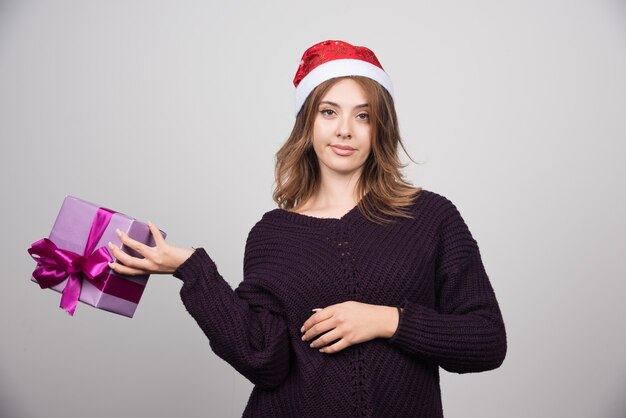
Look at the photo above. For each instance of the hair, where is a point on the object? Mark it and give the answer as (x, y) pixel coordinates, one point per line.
(297, 173)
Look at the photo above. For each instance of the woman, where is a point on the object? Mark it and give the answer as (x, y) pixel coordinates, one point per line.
(391, 271)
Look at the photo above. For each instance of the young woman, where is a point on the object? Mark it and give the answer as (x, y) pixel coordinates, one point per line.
(359, 286)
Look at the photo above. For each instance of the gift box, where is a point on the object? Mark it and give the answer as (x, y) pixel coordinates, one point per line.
(74, 259)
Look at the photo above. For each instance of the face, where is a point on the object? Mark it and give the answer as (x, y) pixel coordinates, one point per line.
(342, 120)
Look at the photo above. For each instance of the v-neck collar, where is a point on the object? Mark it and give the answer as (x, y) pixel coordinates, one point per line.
(314, 221)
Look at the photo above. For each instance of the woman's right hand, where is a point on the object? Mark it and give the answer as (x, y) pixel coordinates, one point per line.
(160, 259)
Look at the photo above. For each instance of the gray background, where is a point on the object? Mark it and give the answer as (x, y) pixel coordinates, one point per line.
(172, 112)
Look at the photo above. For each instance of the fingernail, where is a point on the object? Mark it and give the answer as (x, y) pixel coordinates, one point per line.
(302, 329)
(118, 232)
(110, 265)
(110, 245)
(149, 223)
(317, 309)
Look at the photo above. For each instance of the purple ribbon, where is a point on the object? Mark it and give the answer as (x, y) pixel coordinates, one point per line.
(55, 264)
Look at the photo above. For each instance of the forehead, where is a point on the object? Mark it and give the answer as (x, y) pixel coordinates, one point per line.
(345, 90)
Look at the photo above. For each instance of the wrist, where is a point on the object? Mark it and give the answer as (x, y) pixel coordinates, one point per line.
(391, 321)
(181, 255)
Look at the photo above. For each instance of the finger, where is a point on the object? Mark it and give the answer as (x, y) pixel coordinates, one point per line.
(335, 348)
(330, 336)
(127, 271)
(131, 243)
(309, 322)
(158, 238)
(127, 259)
(319, 328)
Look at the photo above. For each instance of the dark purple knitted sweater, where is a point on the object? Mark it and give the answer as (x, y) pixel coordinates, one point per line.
(430, 265)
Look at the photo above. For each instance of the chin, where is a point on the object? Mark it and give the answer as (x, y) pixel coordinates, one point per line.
(347, 168)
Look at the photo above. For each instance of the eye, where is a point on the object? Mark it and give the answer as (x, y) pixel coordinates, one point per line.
(363, 116)
(327, 112)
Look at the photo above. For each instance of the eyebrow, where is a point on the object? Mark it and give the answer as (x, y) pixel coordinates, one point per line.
(336, 105)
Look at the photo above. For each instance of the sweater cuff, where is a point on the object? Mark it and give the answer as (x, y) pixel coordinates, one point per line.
(198, 264)
(411, 327)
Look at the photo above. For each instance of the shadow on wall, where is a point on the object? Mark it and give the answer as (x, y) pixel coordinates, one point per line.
(619, 408)
(6, 408)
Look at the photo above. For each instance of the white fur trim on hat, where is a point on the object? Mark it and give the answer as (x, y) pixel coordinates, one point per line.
(339, 68)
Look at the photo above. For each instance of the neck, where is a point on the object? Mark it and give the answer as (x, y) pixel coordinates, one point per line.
(337, 190)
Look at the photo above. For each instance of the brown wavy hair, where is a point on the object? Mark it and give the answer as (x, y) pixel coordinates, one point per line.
(297, 173)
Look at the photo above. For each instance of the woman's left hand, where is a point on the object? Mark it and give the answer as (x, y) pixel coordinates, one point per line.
(351, 323)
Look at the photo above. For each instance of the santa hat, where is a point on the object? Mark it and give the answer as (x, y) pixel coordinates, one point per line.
(330, 59)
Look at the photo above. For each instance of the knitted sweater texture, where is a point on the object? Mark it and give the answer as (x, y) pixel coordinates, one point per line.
(430, 266)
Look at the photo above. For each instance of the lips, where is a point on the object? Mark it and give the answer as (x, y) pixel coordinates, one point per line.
(343, 152)
(343, 147)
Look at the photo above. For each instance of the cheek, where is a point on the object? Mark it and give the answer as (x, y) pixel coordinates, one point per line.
(366, 134)
(322, 137)
(319, 140)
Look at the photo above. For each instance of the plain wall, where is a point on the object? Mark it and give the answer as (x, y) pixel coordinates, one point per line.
(173, 111)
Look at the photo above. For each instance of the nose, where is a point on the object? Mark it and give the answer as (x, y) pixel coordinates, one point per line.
(343, 130)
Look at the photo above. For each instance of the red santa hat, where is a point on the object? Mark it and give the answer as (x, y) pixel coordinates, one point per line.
(330, 59)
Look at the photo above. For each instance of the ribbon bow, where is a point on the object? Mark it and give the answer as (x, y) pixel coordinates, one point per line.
(55, 264)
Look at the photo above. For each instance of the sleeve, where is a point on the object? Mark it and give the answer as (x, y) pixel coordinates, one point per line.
(245, 327)
(465, 332)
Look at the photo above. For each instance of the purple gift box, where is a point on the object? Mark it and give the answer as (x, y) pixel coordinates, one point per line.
(74, 259)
